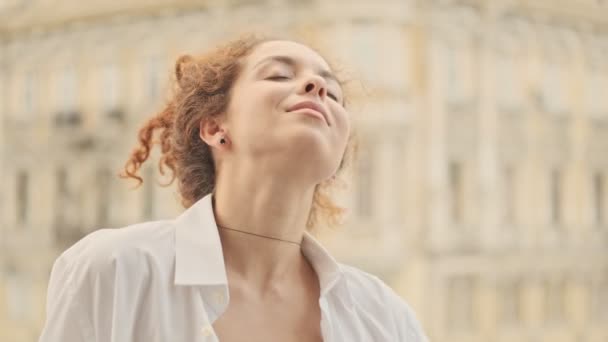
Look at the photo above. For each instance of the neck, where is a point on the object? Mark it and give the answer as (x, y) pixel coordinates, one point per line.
(262, 207)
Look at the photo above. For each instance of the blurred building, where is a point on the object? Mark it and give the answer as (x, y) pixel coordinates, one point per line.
(481, 195)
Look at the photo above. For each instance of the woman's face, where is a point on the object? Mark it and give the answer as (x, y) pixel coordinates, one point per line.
(286, 111)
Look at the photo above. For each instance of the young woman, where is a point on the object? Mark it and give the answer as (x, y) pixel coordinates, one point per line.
(256, 134)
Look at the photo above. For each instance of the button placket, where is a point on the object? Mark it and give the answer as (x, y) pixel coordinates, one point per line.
(207, 332)
(326, 329)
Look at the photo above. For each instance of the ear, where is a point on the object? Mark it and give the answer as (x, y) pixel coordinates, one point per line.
(210, 131)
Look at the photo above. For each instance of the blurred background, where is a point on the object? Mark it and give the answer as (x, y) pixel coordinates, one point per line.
(481, 195)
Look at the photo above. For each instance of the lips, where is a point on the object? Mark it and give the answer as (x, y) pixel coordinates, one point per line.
(310, 105)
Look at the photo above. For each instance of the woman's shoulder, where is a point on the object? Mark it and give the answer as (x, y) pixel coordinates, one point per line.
(103, 278)
(365, 285)
(373, 296)
(125, 246)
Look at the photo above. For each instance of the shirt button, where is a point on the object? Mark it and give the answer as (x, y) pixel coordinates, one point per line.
(207, 331)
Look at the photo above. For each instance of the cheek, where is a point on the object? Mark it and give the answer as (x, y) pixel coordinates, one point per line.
(273, 94)
(263, 99)
(254, 107)
(246, 100)
(343, 123)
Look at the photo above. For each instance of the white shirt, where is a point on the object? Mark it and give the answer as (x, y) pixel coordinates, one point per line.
(166, 281)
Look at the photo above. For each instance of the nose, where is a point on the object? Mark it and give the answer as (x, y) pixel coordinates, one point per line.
(315, 85)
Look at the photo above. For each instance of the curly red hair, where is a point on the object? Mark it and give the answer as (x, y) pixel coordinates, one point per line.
(202, 90)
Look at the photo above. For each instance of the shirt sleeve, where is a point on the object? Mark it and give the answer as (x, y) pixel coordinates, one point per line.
(409, 328)
(65, 318)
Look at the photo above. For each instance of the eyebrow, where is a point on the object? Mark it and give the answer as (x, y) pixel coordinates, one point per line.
(292, 62)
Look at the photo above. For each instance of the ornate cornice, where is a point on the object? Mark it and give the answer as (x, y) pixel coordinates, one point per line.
(47, 14)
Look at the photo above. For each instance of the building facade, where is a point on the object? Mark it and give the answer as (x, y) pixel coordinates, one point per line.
(481, 191)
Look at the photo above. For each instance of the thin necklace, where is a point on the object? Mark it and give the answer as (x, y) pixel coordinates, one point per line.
(264, 236)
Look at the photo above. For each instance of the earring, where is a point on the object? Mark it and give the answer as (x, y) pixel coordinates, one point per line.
(222, 141)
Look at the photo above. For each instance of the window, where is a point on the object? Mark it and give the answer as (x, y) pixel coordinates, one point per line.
(457, 73)
(62, 195)
(67, 89)
(554, 92)
(4, 81)
(22, 196)
(149, 194)
(509, 191)
(555, 291)
(378, 62)
(456, 192)
(110, 86)
(398, 178)
(508, 85)
(69, 208)
(451, 72)
(364, 181)
(62, 183)
(599, 299)
(29, 93)
(19, 298)
(364, 40)
(511, 308)
(599, 198)
(394, 58)
(153, 70)
(555, 197)
(461, 303)
(596, 100)
(104, 189)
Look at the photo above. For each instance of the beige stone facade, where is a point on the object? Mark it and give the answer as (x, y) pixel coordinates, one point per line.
(482, 191)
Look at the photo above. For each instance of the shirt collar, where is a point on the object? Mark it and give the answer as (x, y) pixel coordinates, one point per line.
(327, 268)
(198, 252)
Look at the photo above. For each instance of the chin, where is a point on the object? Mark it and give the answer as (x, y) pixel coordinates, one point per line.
(306, 148)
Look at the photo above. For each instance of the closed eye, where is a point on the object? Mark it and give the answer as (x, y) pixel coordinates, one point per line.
(281, 77)
(278, 77)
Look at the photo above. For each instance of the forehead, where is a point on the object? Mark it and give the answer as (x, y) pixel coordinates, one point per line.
(300, 52)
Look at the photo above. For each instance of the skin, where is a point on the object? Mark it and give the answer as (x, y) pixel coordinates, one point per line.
(266, 174)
